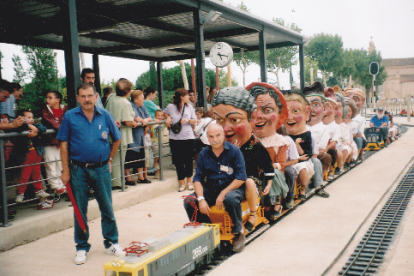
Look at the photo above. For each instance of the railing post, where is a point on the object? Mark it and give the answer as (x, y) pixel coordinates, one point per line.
(121, 165)
(3, 186)
(160, 145)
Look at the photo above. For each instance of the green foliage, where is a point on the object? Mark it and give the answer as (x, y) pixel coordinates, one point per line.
(243, 7)
(308, 64)
(42, 72)
(19, 72)
(362, 60)
(172, 80)
(333, 81)
(326, 50)
(282, 58)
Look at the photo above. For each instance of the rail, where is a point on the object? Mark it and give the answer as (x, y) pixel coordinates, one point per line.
(122, 151)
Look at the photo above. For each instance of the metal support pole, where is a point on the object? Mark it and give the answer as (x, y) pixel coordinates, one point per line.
(71, 48)
(160, 85)
(95, 61)
(200, 58)
(301, 67)
(160, 155)
(122, 165)
(262, 50)
(3, 186)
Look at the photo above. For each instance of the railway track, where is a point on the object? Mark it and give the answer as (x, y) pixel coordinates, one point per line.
(370, 252)
(226, 253)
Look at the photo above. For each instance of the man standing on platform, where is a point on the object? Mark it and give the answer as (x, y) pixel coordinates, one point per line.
(85, 148)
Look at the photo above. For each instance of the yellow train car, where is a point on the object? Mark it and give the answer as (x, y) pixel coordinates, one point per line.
(177, 253)
(375, 141)
(223, 220)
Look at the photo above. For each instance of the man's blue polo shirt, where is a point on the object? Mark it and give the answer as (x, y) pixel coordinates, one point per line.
(88, 141)
(377, 122)
(220, 171)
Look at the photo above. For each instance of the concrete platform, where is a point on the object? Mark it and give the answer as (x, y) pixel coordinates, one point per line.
(308, 241)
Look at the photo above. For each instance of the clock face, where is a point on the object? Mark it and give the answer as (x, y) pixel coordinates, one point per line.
(221, 54)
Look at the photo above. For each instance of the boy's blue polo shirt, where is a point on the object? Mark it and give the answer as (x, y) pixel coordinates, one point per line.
(88, 141)
(220, 171)
(377, 122)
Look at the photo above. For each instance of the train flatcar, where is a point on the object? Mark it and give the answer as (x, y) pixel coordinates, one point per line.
(177, 253)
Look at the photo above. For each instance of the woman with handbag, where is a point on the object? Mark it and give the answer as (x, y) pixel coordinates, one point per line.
(182, 137)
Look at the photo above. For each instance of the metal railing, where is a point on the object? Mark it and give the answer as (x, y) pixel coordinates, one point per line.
(3, 179)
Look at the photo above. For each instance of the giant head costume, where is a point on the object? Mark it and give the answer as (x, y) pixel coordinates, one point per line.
(357, 95)
(232, 109)
(341, 111)
(316, 98)
(330, 107)
(299, 113)
(271, 110)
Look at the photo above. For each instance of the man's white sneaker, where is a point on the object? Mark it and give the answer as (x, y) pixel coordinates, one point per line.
(19, 198)
(42, 193)
(80, 257)
(116, 250)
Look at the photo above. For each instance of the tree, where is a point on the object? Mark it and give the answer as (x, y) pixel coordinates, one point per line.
(327, 51)
(347, 69)
(19, 72)
(42, 72)
(308, 65)
(362, 60)
(223, 79)
(282, 58)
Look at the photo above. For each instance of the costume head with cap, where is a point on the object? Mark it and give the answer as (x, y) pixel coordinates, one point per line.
(341, 112)
(351, 109)
(271, 110)
(316, 98)
(232, 109)
(330, 107)
(299, 112)
(357, 95)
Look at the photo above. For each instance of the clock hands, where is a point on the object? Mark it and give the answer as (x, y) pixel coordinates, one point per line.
(220, 55)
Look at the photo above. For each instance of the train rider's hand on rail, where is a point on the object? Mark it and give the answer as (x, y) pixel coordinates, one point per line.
(204, 208)
(118, 123)
(146, 121)
(138, 119)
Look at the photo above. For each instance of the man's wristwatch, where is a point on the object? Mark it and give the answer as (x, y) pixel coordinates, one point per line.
(110, 159)
(200, 198)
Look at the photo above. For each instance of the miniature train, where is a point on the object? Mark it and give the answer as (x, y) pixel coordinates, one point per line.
(182, 251)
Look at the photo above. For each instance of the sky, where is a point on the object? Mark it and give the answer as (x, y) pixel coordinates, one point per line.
(389, 23)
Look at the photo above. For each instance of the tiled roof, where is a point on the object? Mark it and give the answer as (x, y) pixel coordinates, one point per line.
(397, 62)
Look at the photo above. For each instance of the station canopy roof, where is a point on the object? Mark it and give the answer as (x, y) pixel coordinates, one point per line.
(156, 30)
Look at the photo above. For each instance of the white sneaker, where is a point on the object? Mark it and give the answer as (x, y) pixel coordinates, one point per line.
(116, 250)
(42, 193)
(19, 198)
(80, 257)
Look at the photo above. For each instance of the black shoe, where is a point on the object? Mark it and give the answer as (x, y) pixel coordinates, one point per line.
(322, 193)
(117, 188)
(238, 242)
(130, 183)
(302, 197)
(145, 181)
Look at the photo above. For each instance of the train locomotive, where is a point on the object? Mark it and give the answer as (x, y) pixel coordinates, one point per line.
(177, 253)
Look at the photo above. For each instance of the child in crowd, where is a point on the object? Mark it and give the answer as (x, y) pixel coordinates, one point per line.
(299, 113)
(29, 150)
(165, 136)
(52, 117)
(353, 129)
(203, 121)
(345, 139)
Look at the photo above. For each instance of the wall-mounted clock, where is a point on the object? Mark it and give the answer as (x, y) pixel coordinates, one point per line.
(221, 54)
